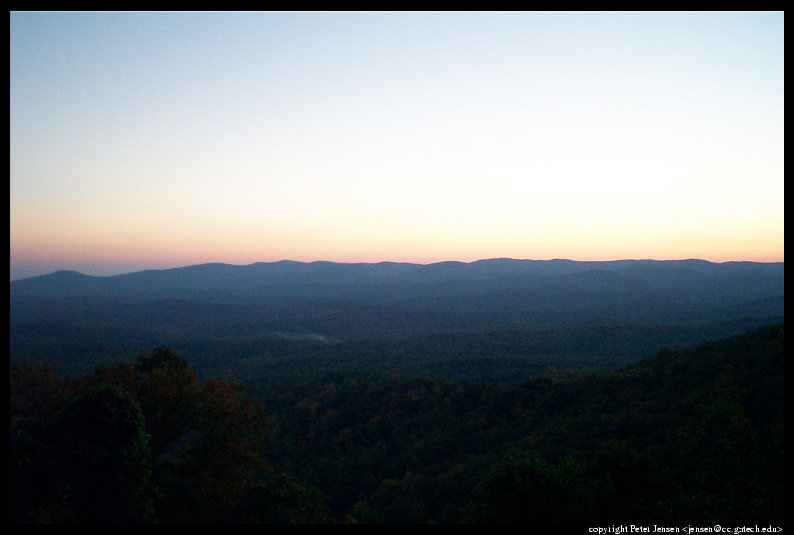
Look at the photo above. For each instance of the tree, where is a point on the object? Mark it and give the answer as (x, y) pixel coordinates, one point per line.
(133, 442)
(35, 389)
(90, 463)
(36, 395)
(206, 436)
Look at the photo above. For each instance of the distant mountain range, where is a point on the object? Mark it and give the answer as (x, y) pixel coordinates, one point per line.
(501, 293)
(260, 280)
(326, 302)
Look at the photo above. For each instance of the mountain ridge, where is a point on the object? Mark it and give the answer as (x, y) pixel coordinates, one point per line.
(400, 300)
(286, 271)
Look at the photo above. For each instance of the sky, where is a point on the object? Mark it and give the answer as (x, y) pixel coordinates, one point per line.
(156, 140)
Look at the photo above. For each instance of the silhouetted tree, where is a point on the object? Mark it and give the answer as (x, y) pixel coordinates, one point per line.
(36, 395)
(206, 436)
(89, 463)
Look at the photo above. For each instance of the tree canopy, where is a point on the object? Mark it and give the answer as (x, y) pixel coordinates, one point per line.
(134, 442)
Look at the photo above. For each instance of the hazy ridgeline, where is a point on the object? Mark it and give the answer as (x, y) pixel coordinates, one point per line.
(223, 318)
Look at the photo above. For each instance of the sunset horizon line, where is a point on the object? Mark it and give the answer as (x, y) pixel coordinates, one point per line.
(120, 271)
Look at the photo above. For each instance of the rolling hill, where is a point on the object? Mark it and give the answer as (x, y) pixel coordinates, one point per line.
(221, 315)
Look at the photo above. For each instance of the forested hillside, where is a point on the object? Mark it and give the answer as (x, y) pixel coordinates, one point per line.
(692, 435)
(498, 319)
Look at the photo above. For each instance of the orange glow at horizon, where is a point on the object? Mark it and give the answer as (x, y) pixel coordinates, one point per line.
(109, 251)
(363, 137)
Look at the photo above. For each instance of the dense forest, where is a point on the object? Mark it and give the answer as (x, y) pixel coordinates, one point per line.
(688, 436)
(143, 442)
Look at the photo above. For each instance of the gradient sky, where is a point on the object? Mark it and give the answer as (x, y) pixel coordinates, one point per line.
(155, 140)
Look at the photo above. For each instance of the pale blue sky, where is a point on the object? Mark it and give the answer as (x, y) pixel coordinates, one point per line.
(149, 140)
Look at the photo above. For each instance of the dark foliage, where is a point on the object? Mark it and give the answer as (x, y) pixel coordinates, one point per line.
(281, 500)
(90, 463)
(691, 435)
(135, 443)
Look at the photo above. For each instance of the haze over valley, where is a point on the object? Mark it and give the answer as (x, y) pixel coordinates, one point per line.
(236, 309)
